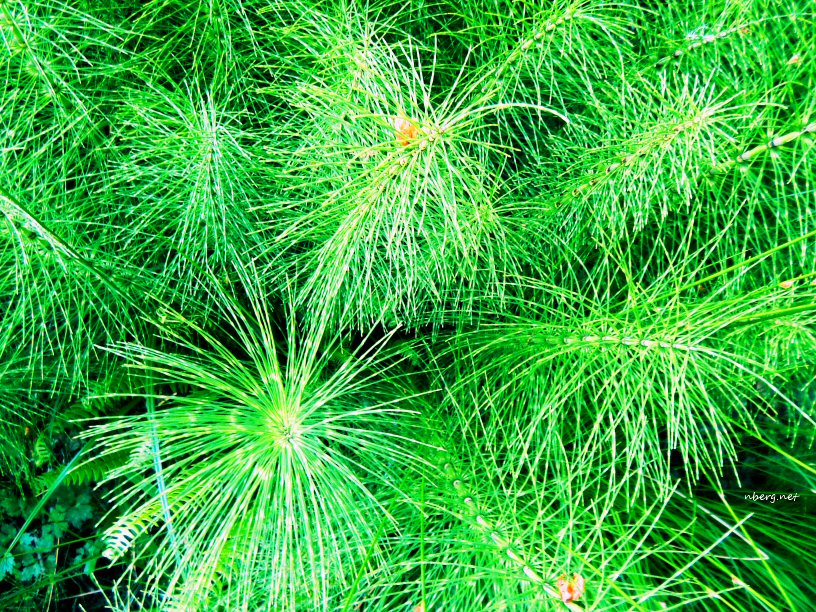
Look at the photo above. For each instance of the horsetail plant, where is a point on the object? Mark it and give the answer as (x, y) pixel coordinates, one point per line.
(376, 306)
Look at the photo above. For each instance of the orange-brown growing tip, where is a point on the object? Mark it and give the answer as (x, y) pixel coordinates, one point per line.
(420, 607)
(406, 131)
(571, 589)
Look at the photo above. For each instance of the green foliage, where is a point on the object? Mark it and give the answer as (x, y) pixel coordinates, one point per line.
(256, 455)
(36, 552)
(425, 306)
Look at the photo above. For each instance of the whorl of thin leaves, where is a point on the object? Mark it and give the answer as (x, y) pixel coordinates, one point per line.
(547, 56)
(499, 531)
(182, 166)
(391, 211)
(54, 265)
(659, 376)
(269, 463)
(52, 309)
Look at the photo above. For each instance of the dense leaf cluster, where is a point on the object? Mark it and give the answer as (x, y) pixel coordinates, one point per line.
(463, 306)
